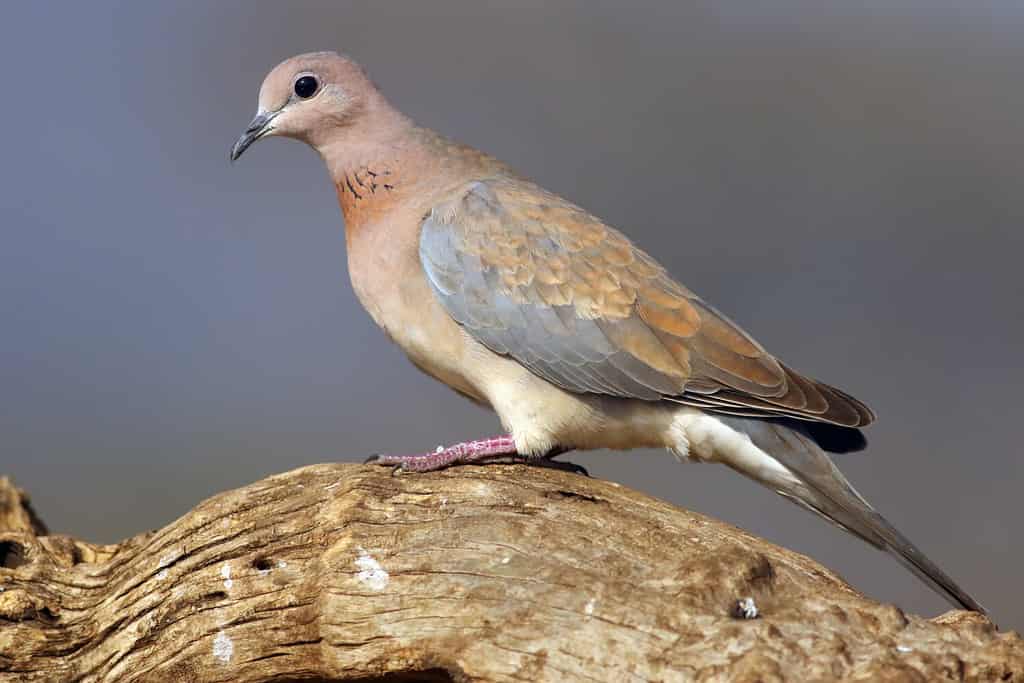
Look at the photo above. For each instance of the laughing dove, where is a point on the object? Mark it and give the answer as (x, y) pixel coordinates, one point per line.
(527, 304)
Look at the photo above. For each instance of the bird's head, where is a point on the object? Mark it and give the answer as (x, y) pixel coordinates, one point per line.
(310, 98)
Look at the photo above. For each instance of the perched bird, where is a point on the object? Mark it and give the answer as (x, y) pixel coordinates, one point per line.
(523, 302)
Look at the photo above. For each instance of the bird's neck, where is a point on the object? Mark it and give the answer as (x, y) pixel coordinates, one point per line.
(372, 174)
(408, 167)
(368, 186)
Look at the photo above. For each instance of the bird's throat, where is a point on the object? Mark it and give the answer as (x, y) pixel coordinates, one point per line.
(365, 190)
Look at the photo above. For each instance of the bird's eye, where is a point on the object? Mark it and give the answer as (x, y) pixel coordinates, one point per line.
(306, 87)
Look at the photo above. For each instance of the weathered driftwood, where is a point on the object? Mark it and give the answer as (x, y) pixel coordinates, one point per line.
(345, 572)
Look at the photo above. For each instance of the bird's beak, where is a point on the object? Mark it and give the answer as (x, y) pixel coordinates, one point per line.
(259, 127)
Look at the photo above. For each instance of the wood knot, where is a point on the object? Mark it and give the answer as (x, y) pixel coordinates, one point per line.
(18, 605)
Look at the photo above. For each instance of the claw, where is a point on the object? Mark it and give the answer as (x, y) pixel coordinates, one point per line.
(559, 465)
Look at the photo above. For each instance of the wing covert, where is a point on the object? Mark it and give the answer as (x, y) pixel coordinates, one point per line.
(536, 278)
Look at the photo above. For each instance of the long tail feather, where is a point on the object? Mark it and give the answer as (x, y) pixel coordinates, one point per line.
(819, 486)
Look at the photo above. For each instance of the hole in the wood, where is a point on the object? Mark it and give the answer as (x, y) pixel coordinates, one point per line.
(262, 563)
(761, 571)
(12, 554)
(215, 596)
(46, 616)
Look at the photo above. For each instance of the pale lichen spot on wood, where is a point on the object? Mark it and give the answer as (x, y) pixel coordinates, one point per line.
(225, 571)
(746, 608)
(223, 648)
(371, 573)
(165, 560)
(162, 563)
(588, 609)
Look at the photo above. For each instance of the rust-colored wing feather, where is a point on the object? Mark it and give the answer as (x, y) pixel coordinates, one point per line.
(536, 278)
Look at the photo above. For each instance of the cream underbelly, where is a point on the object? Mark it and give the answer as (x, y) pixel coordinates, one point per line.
(448, 371)
(540, 416)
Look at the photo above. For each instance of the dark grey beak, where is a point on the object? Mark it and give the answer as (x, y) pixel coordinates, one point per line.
(259, 127)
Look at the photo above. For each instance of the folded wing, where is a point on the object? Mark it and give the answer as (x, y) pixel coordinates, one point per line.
(536, 278)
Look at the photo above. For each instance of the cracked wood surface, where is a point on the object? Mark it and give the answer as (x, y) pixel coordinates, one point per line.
(498, 573)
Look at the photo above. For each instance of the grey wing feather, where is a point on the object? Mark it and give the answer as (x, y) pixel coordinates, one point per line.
(538, 279)
(551, 340)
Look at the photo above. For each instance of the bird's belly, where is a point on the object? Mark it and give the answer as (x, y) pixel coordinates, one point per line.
(410, 316)
(543, 417)
(440, 361)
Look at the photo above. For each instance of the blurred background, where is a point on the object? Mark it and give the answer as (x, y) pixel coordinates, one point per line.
(845, 182)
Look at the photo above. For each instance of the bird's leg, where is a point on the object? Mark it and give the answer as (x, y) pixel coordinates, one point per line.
(466, 452)
(497, 449)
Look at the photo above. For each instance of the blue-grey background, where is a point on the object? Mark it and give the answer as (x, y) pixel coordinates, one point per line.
(844, 182)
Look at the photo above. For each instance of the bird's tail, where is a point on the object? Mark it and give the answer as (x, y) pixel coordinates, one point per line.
(819, 486)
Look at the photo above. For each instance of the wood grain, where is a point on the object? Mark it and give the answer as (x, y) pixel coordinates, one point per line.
(499, 573)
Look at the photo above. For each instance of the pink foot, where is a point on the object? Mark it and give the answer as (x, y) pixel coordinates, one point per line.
(459, 454)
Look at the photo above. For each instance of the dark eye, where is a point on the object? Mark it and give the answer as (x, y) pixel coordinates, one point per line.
(306, 87)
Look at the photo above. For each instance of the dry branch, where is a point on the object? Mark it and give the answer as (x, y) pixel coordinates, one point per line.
(500, 573)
